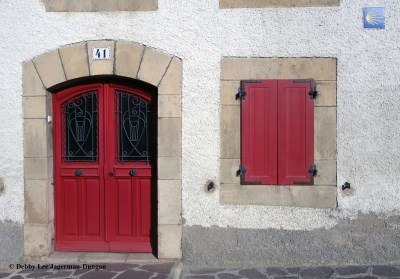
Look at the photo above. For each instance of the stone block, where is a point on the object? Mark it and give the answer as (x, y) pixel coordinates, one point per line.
(170, 205)
(101, 67)
(50, 199)
(230, 132)
(36, 201)
(250, 68)
(32, 85)
(278, 68)
(169, 241)
(169, 106)
(127, 59)
(35, 107)
(153, 66)
(227, 4)
(38, 168)
(170, 137)
(326, 172)
(35, 138)
(75, 60)
(37, 239)
(325, 133)
(228, 170)
(303, 68)
(99, 5)
(98, 257)
(50, 68)
(169, 168)
(229, 89)
(294, 196)
(171, 84)
(327, 94)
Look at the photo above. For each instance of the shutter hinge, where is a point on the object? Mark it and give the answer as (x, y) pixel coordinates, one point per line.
(313, 170)
(241, 171)
(313, 91)
(240, 95)
(313, 87)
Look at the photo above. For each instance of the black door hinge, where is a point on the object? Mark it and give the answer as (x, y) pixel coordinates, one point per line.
(240, 95)
(241, 171)
(313, 170)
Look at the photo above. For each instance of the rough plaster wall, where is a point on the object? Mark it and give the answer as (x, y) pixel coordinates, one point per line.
(200, 33)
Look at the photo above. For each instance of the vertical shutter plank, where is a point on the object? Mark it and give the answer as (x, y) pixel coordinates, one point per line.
(295, 132)
(259, 132)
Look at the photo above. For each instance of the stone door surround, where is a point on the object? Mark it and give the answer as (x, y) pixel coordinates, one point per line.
(127, 59)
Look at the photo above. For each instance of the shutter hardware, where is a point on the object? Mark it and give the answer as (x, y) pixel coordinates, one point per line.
(313, 87)
(346, 185)
(313, 172)
(241, 92)
(240, 95)
(313, 92)
(241, 171)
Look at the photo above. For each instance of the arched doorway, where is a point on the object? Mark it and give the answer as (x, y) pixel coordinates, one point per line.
(130, 64)
(104, 161)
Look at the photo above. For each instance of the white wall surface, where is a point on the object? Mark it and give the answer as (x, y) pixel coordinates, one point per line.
(198, 32)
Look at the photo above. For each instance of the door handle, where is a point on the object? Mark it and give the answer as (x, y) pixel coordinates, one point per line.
(78, 172)
(133, 172)
(111, 174)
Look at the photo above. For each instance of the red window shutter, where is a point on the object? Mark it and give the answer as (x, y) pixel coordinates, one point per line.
(295, 132)
(259, 132)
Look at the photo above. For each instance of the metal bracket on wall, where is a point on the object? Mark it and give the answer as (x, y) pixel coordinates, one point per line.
(241, 171)
(242, 92)
(313, 171)
(313, 87)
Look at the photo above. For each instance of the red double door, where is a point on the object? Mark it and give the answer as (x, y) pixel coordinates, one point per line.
(103, 169)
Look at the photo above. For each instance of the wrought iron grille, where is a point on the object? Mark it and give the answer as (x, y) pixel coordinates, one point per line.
(81, 128)
(132, 117)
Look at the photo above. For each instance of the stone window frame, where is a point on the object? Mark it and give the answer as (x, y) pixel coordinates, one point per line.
(100, 5)
(71, 62)
(230, 4)
(323, 194)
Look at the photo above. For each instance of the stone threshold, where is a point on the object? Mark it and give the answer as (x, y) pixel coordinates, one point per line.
(94, 257)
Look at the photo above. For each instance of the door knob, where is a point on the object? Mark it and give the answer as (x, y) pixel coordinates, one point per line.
(111, 174)
(132, 172)
(78, 172)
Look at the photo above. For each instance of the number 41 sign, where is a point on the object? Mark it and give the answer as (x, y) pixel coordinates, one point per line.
(100, 53)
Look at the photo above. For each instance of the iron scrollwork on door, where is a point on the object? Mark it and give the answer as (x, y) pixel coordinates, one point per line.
(133, 114)
(80, 135)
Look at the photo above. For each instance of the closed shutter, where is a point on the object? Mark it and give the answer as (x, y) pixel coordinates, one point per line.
(259, 132)
(295, 132)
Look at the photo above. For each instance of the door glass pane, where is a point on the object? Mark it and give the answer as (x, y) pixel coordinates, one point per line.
(81, 128)
(132, 116)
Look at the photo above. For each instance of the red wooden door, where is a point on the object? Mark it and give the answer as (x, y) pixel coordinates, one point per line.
(103, 169)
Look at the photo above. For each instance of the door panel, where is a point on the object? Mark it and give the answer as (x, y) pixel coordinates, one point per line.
(130, 169)
(103, 171)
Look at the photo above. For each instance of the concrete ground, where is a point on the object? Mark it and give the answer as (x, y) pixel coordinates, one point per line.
(167, 270)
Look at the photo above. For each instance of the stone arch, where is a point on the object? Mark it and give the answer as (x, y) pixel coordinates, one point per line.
(74, 61)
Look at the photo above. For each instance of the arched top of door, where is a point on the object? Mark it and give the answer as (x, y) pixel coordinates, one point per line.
(126, 63)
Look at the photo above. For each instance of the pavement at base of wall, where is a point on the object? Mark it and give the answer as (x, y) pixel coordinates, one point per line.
(176, 270)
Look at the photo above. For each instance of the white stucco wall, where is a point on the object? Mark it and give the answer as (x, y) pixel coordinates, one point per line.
(198, 32)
